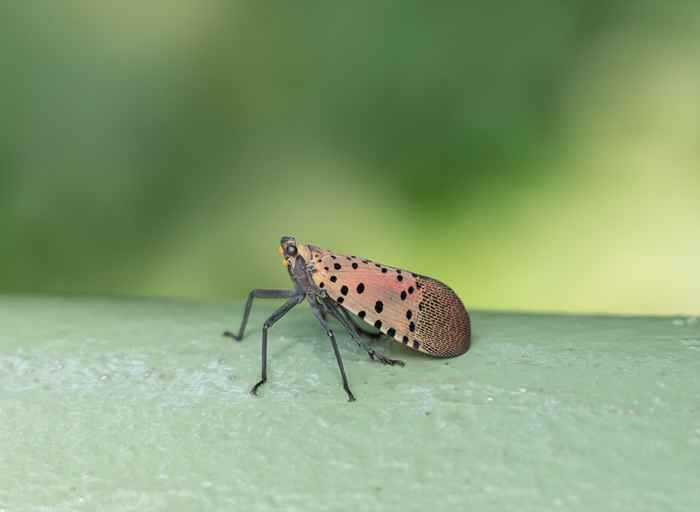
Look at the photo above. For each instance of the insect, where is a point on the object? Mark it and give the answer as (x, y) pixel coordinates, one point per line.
(419, 312)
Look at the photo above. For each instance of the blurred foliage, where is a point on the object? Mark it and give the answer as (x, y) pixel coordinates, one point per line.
(534, 156)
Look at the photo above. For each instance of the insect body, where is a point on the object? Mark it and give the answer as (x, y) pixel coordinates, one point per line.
(417, 311)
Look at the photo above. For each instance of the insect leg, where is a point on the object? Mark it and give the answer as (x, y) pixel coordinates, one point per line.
(283, 310)
(261, 294)
(358, 329)
(316, 310)
(374, 355)
(341, 316)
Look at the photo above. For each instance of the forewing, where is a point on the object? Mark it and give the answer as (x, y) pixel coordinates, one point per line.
(418, 311)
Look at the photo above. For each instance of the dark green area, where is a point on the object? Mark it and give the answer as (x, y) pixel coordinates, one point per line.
(163, 149)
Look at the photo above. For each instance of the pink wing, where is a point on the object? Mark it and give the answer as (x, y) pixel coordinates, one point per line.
(418, 311)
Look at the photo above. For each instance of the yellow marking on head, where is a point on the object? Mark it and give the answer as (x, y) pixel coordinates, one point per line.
(284, 262)
(279, 250)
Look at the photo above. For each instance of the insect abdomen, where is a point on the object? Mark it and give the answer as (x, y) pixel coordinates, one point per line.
(442, 323)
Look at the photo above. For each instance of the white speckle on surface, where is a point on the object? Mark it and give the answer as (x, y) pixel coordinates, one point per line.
(692, 343)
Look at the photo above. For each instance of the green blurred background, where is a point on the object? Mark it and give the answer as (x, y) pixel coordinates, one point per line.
(534, 156)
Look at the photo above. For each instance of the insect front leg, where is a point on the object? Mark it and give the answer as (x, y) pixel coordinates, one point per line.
(374, 355)
(317, 312)
(286, 307)
(261, 294)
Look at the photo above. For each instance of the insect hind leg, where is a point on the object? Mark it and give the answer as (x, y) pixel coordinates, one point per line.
(372, 336)
(347, 322)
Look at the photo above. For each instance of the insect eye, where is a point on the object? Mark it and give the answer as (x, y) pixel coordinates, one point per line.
(291, 250)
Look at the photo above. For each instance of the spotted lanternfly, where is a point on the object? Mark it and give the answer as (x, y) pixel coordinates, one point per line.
(421, 313)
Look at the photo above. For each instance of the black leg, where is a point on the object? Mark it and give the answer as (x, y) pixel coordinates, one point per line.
(329, 333)
(370, 335)
(261, 294)
(357, 328)
(286, 307)
(344, 319)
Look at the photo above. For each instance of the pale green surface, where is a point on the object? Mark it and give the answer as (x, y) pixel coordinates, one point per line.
(142, 405)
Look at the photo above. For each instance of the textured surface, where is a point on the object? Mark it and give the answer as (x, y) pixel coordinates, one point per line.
(142, 405)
